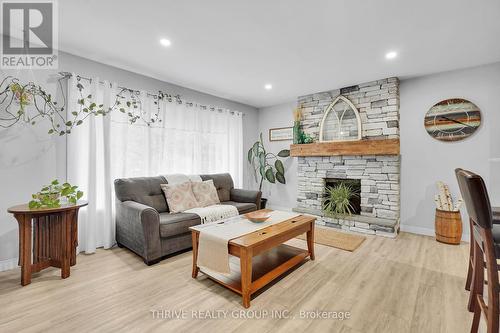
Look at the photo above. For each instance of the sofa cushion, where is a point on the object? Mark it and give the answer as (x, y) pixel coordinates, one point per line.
(243, 207)
(223, 183)
(177, 223)
(205, 193)
(144, 190)
(180, 197)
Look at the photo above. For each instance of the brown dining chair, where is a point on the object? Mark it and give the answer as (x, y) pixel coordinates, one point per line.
(495, 230)
(485, 251)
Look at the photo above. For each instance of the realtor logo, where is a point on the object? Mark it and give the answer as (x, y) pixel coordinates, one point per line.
(29, 35)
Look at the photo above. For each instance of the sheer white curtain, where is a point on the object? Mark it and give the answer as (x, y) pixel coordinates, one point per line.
(89, 166)
(190, 139)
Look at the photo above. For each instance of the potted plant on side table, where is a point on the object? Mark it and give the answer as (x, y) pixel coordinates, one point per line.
(267, 166)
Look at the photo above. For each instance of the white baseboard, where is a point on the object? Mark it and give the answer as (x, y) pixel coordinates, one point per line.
(7, 264)
(427, 232)
(417, 230)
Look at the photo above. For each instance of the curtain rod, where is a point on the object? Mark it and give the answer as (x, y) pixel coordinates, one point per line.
(161, 95)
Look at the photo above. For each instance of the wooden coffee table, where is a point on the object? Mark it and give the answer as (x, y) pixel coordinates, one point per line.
(263, 256)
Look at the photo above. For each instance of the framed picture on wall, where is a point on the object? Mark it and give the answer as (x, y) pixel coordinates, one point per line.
(281, 134)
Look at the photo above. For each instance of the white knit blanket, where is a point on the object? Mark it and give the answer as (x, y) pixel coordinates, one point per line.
(214, 213)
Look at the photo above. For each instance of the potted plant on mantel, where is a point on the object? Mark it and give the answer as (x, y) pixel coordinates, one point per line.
(263, 166)
(299, 136)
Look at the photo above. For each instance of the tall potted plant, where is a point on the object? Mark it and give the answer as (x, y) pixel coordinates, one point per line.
(266, 166)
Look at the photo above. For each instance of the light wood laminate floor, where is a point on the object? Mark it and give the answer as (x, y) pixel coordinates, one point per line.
(408, 284)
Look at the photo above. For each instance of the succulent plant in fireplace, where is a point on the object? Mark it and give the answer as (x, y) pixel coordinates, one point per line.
(263, 166)
(340, 199)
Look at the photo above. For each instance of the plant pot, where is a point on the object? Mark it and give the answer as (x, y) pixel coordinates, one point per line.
(296, 132)
(263, 202)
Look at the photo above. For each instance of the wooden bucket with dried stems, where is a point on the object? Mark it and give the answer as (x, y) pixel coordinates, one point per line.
(448, 226)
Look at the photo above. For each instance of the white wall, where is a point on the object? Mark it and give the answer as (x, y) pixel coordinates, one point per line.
(280, 196)
(30, 158)
(426, 160)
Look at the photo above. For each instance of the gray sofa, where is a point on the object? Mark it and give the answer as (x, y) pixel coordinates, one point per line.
(145, 226)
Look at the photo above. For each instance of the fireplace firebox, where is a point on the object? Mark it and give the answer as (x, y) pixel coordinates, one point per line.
(355, 184)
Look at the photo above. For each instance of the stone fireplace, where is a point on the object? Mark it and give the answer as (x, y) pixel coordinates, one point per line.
(378, 174)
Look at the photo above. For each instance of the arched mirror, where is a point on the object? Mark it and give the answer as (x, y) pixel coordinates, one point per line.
(341, 122)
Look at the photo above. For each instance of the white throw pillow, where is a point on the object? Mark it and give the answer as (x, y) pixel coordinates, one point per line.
(180, 197)
(205, 193)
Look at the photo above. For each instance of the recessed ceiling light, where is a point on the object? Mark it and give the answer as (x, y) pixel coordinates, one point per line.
(268, 86)
(391, 55)
(165, 42)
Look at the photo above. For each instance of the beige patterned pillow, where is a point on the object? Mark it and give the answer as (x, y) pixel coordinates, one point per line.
(180, 197)
(205, 193)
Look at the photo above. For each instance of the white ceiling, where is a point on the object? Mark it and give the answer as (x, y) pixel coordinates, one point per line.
(231, 48)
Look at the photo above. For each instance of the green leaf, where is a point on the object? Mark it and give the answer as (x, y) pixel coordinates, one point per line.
(261, 140)
(262, 158)
(79, 122)
(74, 113)
(55, 182)
(270, 175)
(79, 194)
(284, 153)
(250, 155)
(69, 123)
(33, 204)
(256, 148)
(65, 191)
(279, 167)
(280, 177)
(262, 171)
(122, 110)
(51, 131)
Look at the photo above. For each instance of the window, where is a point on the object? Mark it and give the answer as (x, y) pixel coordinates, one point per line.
(341, 122)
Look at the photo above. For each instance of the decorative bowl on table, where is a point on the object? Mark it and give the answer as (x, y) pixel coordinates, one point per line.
(258, 216)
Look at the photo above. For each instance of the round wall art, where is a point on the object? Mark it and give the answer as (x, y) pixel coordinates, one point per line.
(452, 119)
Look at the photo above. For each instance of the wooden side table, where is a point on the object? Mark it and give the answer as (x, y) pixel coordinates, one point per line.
(54, 235)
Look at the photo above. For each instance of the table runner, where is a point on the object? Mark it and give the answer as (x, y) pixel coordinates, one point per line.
(213, 250)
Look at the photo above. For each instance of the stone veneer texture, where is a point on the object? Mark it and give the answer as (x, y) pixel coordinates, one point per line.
(378, 106)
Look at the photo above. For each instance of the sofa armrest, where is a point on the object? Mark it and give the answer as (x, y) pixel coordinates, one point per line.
(239, 195)
(138, 228)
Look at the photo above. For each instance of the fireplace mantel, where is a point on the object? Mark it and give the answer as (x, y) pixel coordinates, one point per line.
(362, 147)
